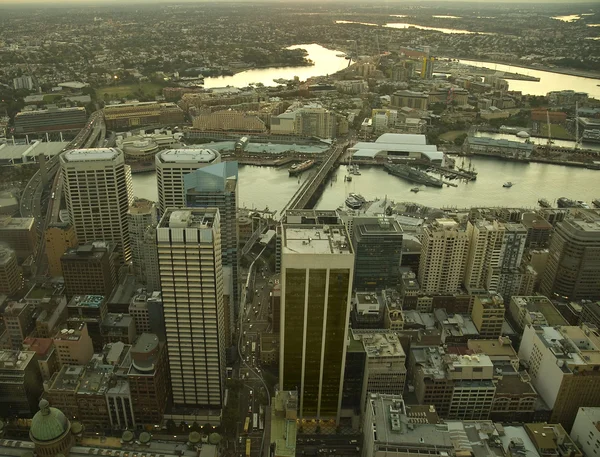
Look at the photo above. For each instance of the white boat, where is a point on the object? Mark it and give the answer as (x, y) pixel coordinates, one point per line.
(415, 189)
(507, 184)
(523, 134)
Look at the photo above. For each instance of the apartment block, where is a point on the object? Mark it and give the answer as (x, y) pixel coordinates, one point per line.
(460, 386)
(410, 99)
(393, 429)
(573, 271)
(73, 344)
(171, 166)
(317, 263)
(142, 215)
(564, 364)
(534, 310)
(90, 269)
(539, 231)
(488, 315)
(191, 274)
(443, 257)
(98, 192)
(60, 236)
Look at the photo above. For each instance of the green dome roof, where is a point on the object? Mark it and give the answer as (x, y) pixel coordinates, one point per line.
(48, 423)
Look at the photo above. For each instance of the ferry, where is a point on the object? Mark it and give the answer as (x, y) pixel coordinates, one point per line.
(296, 169)
(507, 184)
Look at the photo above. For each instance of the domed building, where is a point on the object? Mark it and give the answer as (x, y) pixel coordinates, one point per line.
(50, 431)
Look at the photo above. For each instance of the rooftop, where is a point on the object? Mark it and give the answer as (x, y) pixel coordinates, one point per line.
(324, 239)
(199, 218)
(283, 423)
(71, 332)
(540, 309)
(379, 343)
(16, 223)
(86, 301)
(6, 254)
(484, 141)
(15, 360)
(142, 206)
(92, 154)
(550, 436)
(187, 155)
(493, 348)
(394, 423)
(366, 226)
(574, 345)
(514, 384)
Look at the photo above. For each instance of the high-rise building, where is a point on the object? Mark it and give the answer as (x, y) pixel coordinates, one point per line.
(573, 269)
(149, 379)
(191, 276)
(488, 315)
(98, 192)
(21, 384)
(216, 186)
(20, 322)
(11, 278)
(377, 243)
(427, 67)
(171, 166)
(444, 253)
(317, 263)
(142, 217)
(19, 234)
(564, 365)
(90, 269)
(60, 236)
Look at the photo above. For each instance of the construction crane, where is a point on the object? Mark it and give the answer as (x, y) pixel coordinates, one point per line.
(355, 56)
(549, 143)
(577, 139)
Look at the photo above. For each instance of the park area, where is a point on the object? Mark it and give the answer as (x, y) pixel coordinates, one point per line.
(118, 92)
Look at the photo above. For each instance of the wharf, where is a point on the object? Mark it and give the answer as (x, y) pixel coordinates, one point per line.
(413, 175)
(451, 173)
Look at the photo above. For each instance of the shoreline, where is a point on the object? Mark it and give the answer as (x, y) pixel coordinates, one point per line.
(565, 71)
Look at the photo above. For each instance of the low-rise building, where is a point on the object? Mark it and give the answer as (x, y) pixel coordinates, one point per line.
(118, 327)
(45, 354)
(21, 384)
(73, 344)
(269, 348)
(488, 315)
(284, 412)
(534, 310)
(551, 440)
(19, 318)
(499, 148)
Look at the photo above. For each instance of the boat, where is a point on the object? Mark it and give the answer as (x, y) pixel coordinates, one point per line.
(348, 178)
(412, 175)
(507, 184)
(415, 189)
(564, 202)
(523, 134)
(596, 202)
(582, 204)
(355, 201)
(296, 169)
(544, 203)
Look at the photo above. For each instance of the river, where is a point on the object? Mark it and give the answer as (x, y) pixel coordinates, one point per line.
(326, 62)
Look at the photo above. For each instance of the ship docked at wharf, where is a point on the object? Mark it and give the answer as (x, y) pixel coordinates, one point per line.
(355, 201)
(413, 175)
(296, 169)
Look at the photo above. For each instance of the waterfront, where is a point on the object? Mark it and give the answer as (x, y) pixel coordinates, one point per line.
(260, 187)
(538, 140)
(326, 62)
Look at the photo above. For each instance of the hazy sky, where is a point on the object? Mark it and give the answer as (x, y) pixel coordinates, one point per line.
(104, 2)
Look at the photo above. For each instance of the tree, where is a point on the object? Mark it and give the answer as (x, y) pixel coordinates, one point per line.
(460, 139)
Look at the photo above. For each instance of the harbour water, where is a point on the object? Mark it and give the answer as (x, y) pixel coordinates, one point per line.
(261, 187)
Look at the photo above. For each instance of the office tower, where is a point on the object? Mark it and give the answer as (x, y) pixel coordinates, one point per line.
(488, 315)
(98, 192)
(171, 166)
(427, 68)
(443, 257)
(317, 264)
(564, 365)
(216, 186)
(573, 270)
(11, 278)
(20, 322)
(377, 243)
(191, 276)
(21, 384)
(142, 217)
(90, 269)
(60, 236)
(19, 234)
(148, 379)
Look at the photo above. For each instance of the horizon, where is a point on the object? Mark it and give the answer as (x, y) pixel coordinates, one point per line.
(54, 3)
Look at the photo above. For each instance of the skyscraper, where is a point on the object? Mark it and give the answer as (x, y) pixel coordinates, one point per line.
(443, 257)
(171, 166)
(573, 269)
(142, 218)
(316, 275)
(191, 276)
(215, 186)
(98, 191)
(377, 243)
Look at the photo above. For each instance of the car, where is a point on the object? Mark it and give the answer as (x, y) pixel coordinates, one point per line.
(250, 326)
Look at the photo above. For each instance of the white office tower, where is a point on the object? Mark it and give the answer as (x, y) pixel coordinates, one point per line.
(191, 276)
(171, 166)
(143, 219)
(444, 249)
(317, 266)
(98, 191)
